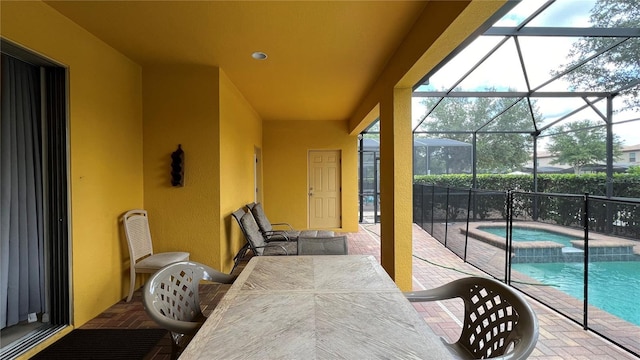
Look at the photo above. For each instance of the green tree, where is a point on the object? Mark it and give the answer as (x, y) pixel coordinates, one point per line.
(581, 143)
(498, 148)
(619, 66)
(634, 170)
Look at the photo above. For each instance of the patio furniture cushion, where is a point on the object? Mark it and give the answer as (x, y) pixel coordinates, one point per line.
(316, 234)
(328, 245)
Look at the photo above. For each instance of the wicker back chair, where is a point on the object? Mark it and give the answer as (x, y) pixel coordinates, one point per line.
(142, 258)
(498, 322)
(171, 299)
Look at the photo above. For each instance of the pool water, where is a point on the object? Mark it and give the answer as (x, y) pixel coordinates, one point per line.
(613, 286)
(530, 234)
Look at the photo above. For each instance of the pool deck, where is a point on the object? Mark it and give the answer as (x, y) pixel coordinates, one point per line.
(560, 338)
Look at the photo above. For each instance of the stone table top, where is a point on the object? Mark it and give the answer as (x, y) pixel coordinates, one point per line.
(315, 307)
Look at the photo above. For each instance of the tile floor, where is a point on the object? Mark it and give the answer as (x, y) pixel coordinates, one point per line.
(559, 337)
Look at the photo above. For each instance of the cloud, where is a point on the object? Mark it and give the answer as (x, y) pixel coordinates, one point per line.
(566, 13)
(541, 55)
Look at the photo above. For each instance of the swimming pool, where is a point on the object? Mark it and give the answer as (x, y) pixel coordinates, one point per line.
(613, 286)
(530, 234)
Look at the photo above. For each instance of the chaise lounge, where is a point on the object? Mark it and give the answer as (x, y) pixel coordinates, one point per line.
(289, 234)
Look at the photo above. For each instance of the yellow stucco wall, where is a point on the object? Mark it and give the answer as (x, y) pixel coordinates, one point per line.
(200, 108)
(286, 146)
(240, 135)
(181, 107)
(441, 27)
(112, 169)
(105, 137)
(396, 195)
(106, 146)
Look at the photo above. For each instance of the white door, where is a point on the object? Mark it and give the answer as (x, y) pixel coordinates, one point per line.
(325, 189)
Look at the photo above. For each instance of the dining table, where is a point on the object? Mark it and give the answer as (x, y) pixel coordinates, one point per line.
(315, 307)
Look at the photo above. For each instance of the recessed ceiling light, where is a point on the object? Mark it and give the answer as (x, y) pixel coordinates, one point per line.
(259, 55)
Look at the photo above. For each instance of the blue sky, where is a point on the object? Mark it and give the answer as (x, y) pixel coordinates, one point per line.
(541, 56)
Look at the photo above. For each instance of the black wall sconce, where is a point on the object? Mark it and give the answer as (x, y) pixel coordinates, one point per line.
(177, 167)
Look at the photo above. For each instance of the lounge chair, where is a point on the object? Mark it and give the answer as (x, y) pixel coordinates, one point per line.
(288, 234)
(242, 253)
(256, 241)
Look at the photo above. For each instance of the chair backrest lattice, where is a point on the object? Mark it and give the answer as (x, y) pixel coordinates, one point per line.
(171, 298)
(489, 323)
(172, 292)
(498, 321)
(138, 234)
(178, 295)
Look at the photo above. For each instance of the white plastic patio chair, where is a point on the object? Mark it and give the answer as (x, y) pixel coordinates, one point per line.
(498, 322)
(172, 300)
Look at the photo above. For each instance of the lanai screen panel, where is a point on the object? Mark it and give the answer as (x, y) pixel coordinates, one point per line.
(542, 66)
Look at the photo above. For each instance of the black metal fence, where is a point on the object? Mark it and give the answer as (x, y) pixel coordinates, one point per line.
(578, 254)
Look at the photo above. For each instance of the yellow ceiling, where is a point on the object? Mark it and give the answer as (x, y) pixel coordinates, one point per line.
(323, 55)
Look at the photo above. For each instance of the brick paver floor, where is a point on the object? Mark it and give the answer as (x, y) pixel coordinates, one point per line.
(433, 265)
